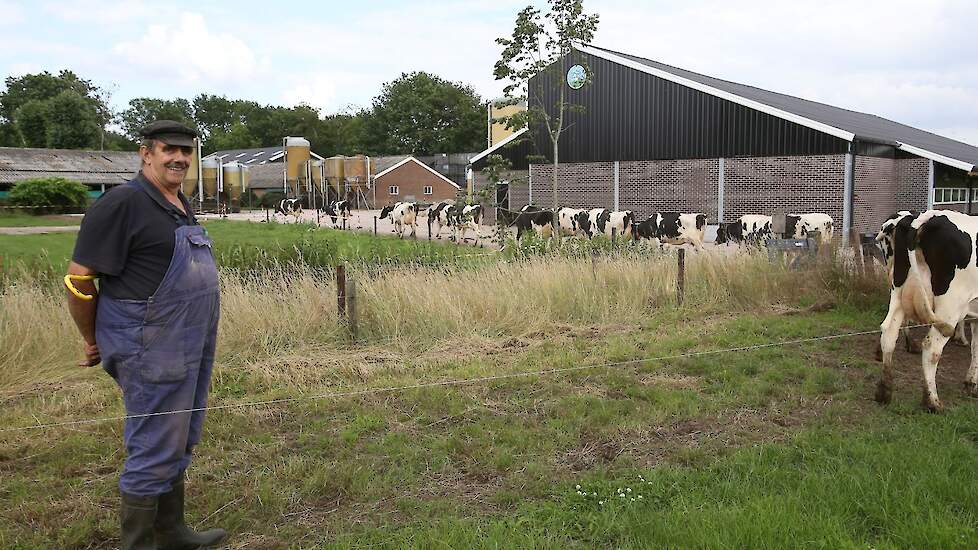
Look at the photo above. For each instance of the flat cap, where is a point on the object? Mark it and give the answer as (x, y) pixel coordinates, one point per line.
(170, 132)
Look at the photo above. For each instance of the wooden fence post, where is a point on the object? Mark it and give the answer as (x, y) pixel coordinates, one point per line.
(351, 306)
(341, 290)
(681, 277)
(375, 226)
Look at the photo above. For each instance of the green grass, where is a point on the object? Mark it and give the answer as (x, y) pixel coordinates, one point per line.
(772, 448)
(251, 246)
(8, 219)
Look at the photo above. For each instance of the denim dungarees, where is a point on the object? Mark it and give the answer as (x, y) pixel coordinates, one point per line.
(161, 353)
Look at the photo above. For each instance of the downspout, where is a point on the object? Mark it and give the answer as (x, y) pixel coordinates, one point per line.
(849, 186)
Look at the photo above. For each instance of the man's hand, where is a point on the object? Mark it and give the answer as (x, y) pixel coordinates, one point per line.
(92, 356)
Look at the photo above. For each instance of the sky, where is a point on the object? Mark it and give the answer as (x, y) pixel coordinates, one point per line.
(915, 62)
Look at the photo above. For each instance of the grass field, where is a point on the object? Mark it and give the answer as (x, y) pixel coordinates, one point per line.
(8, 219)
(767, 448)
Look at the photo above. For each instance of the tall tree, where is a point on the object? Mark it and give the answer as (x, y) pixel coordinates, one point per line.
(143, 110)
(537, 46)
(422, 114)
(31, 122)
(72, 122)
(43, 86)
(238, 137)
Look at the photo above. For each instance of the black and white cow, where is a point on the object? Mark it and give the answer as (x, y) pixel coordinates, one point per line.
(935, 282)
(289, 207)
(611, 223)
(798, 226)
(441, 214)
(404, 215)
(337, 209)
(468, 219)
(532, 218)
(673, 228)
(573, 222)
(750, 229)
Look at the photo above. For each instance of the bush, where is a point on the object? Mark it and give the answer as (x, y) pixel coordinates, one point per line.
(57, 192)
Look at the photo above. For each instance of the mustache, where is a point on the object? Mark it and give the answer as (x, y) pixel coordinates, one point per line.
(177, 165)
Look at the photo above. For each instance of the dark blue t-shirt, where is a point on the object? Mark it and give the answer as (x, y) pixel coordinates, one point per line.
(127, 237)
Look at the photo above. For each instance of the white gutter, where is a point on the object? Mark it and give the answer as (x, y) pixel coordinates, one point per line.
(740, 100)
(967, 167)
(495, 147)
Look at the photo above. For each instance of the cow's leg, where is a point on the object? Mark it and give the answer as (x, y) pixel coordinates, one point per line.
(890, 331)
(971, 380)
(960, 337)
(912, 346)
(931, 356)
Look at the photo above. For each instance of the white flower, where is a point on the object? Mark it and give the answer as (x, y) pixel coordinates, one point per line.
(629, 489)
(640, 497)
(601, 502)
(578, 487)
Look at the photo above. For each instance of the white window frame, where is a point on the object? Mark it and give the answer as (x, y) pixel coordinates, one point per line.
(951, 195)
(428, 190)
(394, 190)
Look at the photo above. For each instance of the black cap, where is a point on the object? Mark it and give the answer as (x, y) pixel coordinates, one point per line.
(170, 132)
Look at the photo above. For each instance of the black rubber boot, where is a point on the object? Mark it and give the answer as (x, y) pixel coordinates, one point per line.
(138, 517)
(172, 533)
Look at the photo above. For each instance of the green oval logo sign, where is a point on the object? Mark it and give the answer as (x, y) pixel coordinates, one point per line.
(576, 77)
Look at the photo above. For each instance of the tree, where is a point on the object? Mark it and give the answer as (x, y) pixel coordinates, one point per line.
(536, 48)
(239, 137)
(72, 122)
(143, 110)
(43, 86)
(9, 136)
(31, 123)
(422, 114)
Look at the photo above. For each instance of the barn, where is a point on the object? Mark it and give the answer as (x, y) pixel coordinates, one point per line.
(412, 180)
(652, 137)
(98, 170)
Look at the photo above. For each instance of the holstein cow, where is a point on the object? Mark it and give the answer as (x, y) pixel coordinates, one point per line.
(750, 229)
(404, 215)
(532, 218)
(289, 207)
(337, 209)
(798, 226)
(441, 214)
(468, 220)
(941, 255)
(573, 222)
(611, 224)
(673, 228)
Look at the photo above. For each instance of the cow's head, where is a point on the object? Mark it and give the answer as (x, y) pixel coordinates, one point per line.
(722, 233)
(700, 221)
(386, 211)
(583, 222)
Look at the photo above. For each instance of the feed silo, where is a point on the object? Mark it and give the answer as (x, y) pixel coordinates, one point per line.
(336, 174)
(191, 179)
(317, 177)
(232, 185)
(210, 168)
(356, 171)
(297, 153)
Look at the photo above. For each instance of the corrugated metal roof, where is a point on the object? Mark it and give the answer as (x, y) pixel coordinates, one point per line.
(864, 126)
(256, 156)
(90, 167)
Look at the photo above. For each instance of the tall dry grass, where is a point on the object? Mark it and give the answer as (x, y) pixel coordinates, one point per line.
(291, 311)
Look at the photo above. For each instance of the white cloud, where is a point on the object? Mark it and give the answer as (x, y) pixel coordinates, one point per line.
(100, 11)
(191, 52)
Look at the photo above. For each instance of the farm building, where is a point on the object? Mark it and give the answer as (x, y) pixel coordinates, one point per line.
(99, 170)
(412, 180)
(653, 137)
(265, 166)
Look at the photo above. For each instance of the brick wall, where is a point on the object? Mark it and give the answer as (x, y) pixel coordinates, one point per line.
(411, 178)
(768, 185)
(518, 192)
(752, 185)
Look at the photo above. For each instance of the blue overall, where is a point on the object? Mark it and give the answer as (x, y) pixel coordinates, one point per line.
(161, 353)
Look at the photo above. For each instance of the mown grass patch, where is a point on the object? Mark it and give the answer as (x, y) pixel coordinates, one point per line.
(17, 219)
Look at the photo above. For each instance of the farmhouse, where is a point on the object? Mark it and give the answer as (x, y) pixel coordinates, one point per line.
(99, 170)
(412, 180)
(652, 137)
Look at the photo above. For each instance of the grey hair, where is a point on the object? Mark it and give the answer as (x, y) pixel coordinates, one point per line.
(148, 143)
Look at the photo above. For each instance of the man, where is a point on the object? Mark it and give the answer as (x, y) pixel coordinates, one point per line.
(153, 326)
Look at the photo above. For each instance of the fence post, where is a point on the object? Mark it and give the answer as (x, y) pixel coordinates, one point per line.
(344, 223)
(594, 267)
(341, 290)
(351, 306)
(375, 226)
(681, 277)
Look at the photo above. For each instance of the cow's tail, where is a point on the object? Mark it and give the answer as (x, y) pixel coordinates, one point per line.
(920, 269)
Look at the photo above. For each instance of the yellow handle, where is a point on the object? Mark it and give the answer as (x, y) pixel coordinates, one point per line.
(75, 291)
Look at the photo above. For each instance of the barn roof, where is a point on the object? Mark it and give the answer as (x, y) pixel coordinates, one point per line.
(419, 163)
(88, 167)
(836, 121)
(255, 156)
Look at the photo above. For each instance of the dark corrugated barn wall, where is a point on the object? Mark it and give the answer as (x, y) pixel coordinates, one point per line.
(631, 115)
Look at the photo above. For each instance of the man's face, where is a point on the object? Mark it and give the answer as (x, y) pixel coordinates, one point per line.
(166, 164)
